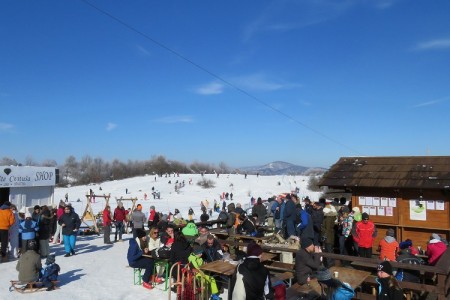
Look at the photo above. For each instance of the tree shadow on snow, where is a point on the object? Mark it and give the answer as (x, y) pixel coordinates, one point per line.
(86, 248)
(69, 276)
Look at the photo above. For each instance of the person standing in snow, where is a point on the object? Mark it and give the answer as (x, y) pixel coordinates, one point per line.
(57, 236)
(70, 223)
(138, 219)
(14, 234)
(119, 219)
(6, 221)
(107, 223)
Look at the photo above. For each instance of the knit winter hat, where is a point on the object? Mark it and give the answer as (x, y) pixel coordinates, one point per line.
(254, 249)
(390, 232)
(50, 260)
(435, 236)
(365, 216)
(323, 275)
(405, 244)
(356, 210)
(386, 267)
(140, 233)
(305, 243)
(197, 249)
(152, 207)
(27, 215)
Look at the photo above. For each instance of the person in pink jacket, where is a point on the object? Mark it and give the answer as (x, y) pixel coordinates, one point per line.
(435, 249)
(58, 236)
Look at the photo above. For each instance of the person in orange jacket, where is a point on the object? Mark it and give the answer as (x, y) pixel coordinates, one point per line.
(388, 246)
(6, 221)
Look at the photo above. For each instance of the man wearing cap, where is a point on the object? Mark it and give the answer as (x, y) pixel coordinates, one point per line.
(306, 262)
(388, 246)
(251, 279)
(365, 235)
(138, 219)
(6, 221)
(388, 288)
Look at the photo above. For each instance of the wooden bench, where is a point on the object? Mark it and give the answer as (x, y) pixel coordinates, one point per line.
(285, 277)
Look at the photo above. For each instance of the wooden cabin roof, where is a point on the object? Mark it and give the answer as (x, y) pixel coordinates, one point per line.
(415, 172)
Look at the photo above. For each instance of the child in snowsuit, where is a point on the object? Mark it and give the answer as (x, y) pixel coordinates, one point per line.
(49, 273)
(196, 261)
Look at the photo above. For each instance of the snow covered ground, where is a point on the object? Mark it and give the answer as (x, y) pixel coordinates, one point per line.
(101, 271)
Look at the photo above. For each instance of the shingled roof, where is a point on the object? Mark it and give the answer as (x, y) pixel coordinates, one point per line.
(423, 172)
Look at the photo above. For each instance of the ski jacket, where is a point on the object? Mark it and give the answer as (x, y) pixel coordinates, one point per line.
(365, 234)
(251, 280)
(107, 220)
(435, 249)
(388, 248)
(134, 252)
(29, 266)
(212, 253)
(6, 217)
(28, 229)
(72, 221)
(119, 214)
(305, 264)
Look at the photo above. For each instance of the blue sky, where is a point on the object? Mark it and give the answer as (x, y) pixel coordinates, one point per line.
(240, 82)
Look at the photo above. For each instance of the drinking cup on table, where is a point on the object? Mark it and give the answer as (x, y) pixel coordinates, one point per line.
(336, 274)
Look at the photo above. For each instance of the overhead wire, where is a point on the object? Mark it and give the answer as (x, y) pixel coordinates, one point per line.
(221, 79)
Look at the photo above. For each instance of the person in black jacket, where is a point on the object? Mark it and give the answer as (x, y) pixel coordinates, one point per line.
(388, 288)
(212, 249)
(251, 279)
(406, 257)
(246, 225)
(306, 262)
(70, 223)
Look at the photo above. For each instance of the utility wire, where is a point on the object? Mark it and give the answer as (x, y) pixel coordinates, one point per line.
(218, 77)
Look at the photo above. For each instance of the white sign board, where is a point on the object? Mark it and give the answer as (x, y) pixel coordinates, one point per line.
(14, 176)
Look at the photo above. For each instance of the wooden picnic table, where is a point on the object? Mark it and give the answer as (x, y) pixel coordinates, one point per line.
(353, 277)
(227, 269)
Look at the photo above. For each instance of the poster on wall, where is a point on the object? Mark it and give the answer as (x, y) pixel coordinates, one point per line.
(384, 201)
(393, 202)
(362, 201)
(369, 201)
(440, 205)
(389, 211)
(376, 201)
(365, 209)
(381, 210)
(373, 211)
(417, 210)
(430, 205)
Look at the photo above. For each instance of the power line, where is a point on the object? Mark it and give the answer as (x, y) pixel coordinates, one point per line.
(218, 77)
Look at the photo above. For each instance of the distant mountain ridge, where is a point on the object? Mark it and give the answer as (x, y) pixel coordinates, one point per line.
(282, 168)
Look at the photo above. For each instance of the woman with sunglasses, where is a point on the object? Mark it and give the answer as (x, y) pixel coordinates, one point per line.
(154, 242)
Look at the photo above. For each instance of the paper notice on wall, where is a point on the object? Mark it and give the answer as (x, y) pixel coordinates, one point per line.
(393, 202)
(389, 211)
(384, 201)
(369, 201)
(440, 205)
(430, 205)
(380, 210)
(362, 201)
(376, 201)
(366, 209)
(373, 211)
(417, 210)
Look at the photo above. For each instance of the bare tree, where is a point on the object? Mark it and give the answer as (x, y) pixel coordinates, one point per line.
(7, 161)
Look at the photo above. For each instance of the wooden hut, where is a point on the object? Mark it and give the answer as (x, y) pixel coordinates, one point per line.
(410, 194)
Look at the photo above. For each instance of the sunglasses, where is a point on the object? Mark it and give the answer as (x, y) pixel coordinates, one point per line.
(156, 232)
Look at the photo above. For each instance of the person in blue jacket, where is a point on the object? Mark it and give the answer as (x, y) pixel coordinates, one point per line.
(289, 216)
(136, 249)
(27, 230)
(278, 213)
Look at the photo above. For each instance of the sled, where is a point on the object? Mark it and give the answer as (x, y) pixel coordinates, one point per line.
(29, 287)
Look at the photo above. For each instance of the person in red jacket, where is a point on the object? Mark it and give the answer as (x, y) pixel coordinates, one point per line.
(435, 249)
(365, 235)
(107, 223)
(119, 219)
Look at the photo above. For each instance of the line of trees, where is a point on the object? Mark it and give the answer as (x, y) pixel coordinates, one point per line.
(96, 170)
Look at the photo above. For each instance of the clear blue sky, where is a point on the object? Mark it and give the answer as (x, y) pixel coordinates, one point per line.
(304, 82)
